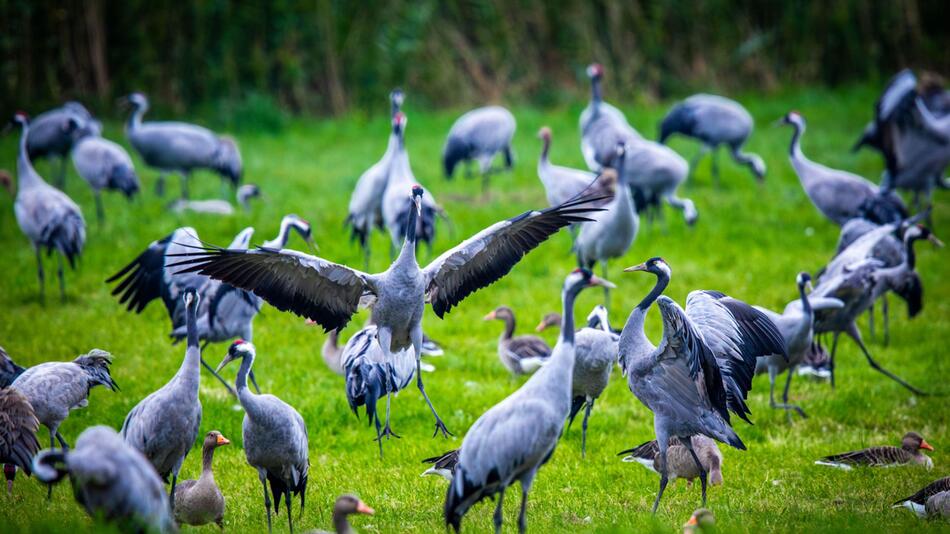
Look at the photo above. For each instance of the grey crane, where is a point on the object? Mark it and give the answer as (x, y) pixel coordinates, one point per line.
(838, 195)
(514, 438)
(858, 286)
(918, 502)
(164, 425)
(654, 172)
(911, 129)
(18, 427)
(394, 208)
(611, 232)
(365, 208)
(595, 356)
(54, 133)
(370, 375)
(216, 206)
(110, 480)
(702, 368)
(479, 135)
(519, 354)
(564, 183)
(104, 165)
(275, 437)
(714, 121)
(330, 293)
(796, 323)
(48, 218)
(181, 147)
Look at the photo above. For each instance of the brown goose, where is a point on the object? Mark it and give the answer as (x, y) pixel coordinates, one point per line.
(702, 520)
(343, 507)
(884, 456)
(521, 354)
(933, 499)
(199, 502)
(443, 465)
(18, 427)
(681, 464)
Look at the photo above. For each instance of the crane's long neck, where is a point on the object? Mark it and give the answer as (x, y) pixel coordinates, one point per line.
(247, 398)
(135, 119)
(633, 334)
(190, 370)
(545, 149)
(568, 295)
(283, 235)
(795, 148)
(596, 97)
(806, 304)
(910, 257)
(26, 174)
(408, 252)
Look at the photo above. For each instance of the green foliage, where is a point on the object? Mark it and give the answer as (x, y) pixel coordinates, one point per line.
(749, 242)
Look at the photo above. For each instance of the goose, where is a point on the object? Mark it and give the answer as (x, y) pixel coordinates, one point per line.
(199, 502)
(909, 453)
(519, 354)
(345, 506)
(924, 502)
(679, 462)
(702, 520)
(443, 465)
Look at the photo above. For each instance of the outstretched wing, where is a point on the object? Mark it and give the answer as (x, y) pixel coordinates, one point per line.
(858, 250)
(490, 254)
(141, 280)
(325, 292)
(737, 334)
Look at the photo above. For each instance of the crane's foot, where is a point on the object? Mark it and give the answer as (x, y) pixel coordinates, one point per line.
(440, 427)
(387, 432)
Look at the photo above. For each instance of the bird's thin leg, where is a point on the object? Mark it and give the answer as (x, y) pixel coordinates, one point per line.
(49, 487)
(856, 336)
(871, 321)
(171, 494)
(831, 359)
(688, 443)
(788, 385)
(62, 280)
(62, 441)
(497, 517)
(715, 172)
(254, 381)
(263, 478)
(416, 335)
(523, 514)
(100, 213)
(693, 163)
(379, 436)
(663, 442)
(290, 515)
(61, 179)
(160, 185)
(184, 185)
(884, 314)
(216, 375)
(39, 274)
(590, 405)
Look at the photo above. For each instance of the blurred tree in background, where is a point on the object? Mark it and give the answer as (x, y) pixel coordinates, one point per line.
(328, 56)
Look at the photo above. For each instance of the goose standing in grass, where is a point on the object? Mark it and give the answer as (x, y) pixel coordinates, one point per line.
(365, 208)
(702, 369)
(479, 135)
(199, 502)
(521, 355)
(924, 502)
(54, 133)
(48, 218)
(595, 356)
(110, 480)
(345, 506)
(18, 428)
(713, 121)
(275, 438)
(443, 465)
(243, 196)
(796, 323)
(104, 165)
(181, 147)
(330, 293)
(562, 184)
(909, 453)
(513, 439)
(164, 425)
(838, 195)
(610, 232)
(679, 462)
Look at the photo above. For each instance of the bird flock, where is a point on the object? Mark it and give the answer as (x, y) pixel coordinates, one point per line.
(695, 379)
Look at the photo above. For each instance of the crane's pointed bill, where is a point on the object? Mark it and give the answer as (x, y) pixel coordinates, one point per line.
(227, 359)
(641, 267)
(933, 239)
(597, 281)
(314, 248)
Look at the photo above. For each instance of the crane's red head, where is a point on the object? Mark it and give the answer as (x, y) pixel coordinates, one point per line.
(417, 190)
(595, 70)
(545, 133)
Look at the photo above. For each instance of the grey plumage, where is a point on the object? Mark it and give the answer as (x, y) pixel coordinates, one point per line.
(562, 184)
(243, 195)
(104, 165)
(714, 121)
(479, 135)
(909, 453)
(48, 218)
(53, 133)
(514, 438)
(679, 462)
(925, 501)
(703, 367)
(275, 438)
(330, 293)
(181, 147)
(164, 425)
(110, 480)
(9, 370)
(443, 465)
(55, 388)
(18, 428)
(839, 195)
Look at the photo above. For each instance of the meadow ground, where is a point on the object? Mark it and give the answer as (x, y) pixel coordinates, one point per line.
(750, 242)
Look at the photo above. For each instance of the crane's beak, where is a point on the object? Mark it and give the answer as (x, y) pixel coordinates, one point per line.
(925, 445)
(313, 245)
(641, 267)
(418, 201)
(933, 239)
(597, 281)
(778, 122)
(809, 287)
(362, 508)
(489, 316)
(541, 327)
(223, 440)
(227, 359)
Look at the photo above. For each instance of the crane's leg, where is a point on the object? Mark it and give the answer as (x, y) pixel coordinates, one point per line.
(100, 213)
(52, 444)
(160, 185)
(831, 359)
(663, 441)
(526, 482)
(773, 374)
(715, 173)
(590, 405)
(693, 163)
(263, 476)
(884, 314)
(62, 281)
(184, 184)
(688, 443)
(856, 336)
(497, 519)
(290, 514)
(788, 385)
(62, 441)
(39, 274)
(416, 335)
(603, 268)
(61, 177)
(216, 375)
(871, 321)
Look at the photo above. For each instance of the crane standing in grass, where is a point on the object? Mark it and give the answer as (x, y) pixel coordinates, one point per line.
(54, 133)
(479, 135)
(104, 165)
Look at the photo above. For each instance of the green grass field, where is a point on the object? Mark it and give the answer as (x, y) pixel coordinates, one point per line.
(750, 242)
